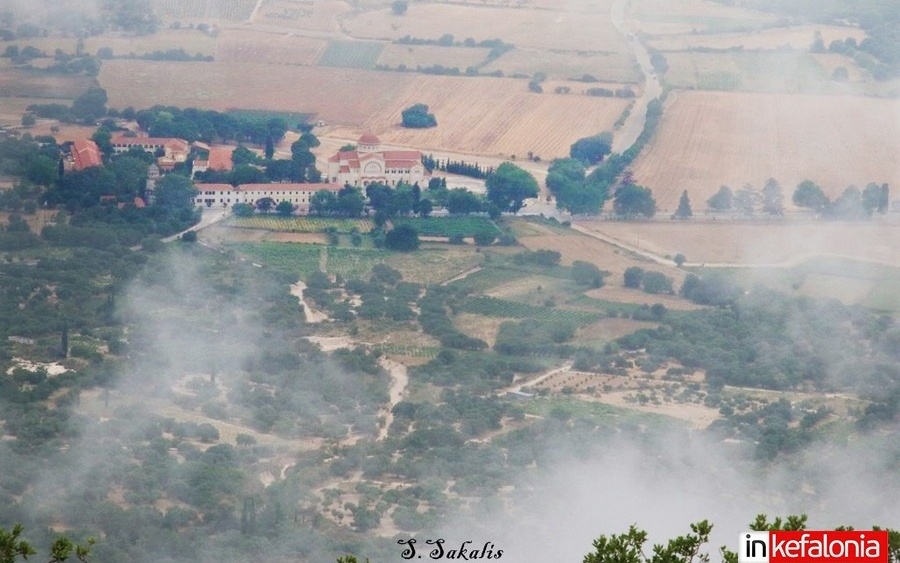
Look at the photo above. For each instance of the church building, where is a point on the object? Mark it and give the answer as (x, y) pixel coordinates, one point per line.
(370, 163)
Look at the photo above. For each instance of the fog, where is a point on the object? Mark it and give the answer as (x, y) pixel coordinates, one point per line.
(659, 480)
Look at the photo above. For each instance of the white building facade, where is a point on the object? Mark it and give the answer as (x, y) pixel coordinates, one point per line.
(369, 163)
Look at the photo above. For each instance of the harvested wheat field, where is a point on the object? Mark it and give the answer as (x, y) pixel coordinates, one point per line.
(492, 116)
(523, 27)
(614, 67)
(783, 243)
(710, 139)
(245, 46)
(332, 94)
(413, 56)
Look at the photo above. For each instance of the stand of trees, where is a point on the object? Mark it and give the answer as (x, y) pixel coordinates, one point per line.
(417, 117)
(509, 186)
(472, 170)
(568, 182)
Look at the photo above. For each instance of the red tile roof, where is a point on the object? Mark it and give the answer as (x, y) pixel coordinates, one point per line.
(369, 139)
(85, 154)
(220, 158)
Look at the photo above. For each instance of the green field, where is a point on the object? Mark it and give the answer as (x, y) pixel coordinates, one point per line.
(449, 226)
(299, 224)
(302, 259)
(354, 262)
(486, 278)
(493, 307)
(351, 54)
(232, 10)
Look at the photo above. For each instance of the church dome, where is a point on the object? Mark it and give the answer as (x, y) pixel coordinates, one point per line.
(369, 139)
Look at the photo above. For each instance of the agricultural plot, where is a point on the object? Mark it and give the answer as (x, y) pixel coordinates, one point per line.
(790, 243)
(21, 83)
(228, 10)
(319, 15)
(562, 65)
(496, 116)
(351, 54)
(706, 140)
(580, 247)
(494, 307)
(354, 262)
(552, 28)
(191, 40)
(486, 278)
(300, 224)
(434, 265)
(332, 94)
(796, 38)
(412, 56)
(238, 45)
(758, 71)
(450, 226)
(300, 259)
(687, 16)
(606, 330)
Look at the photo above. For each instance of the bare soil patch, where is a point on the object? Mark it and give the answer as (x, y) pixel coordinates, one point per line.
(614, 291)
(604, 255)
(479, 326)
(248, 46)
(710, 139)
(305, 238)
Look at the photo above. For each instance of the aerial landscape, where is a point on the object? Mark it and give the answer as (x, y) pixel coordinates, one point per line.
(379, 280)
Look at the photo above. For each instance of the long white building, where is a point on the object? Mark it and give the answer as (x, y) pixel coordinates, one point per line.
(226, 195)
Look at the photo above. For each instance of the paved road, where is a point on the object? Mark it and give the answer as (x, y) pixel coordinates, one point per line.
(209, 216)
(631, 130)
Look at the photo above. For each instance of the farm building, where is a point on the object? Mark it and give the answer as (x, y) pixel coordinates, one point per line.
(170, 150)
(84, 154)
(369, 164)
(218, 159)
(226, 195)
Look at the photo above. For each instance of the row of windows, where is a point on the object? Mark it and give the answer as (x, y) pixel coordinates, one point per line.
(257, 194)
(200, 200)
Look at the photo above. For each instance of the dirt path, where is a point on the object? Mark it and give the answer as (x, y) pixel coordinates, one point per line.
(551, 373)
(323, 260)
(399, 381)
(463, 275)
(311, 316)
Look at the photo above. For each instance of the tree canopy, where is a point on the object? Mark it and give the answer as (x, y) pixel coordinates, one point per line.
(417, 117)
(591, 150)
(509, 186)
(574, 191)
(632, 201)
